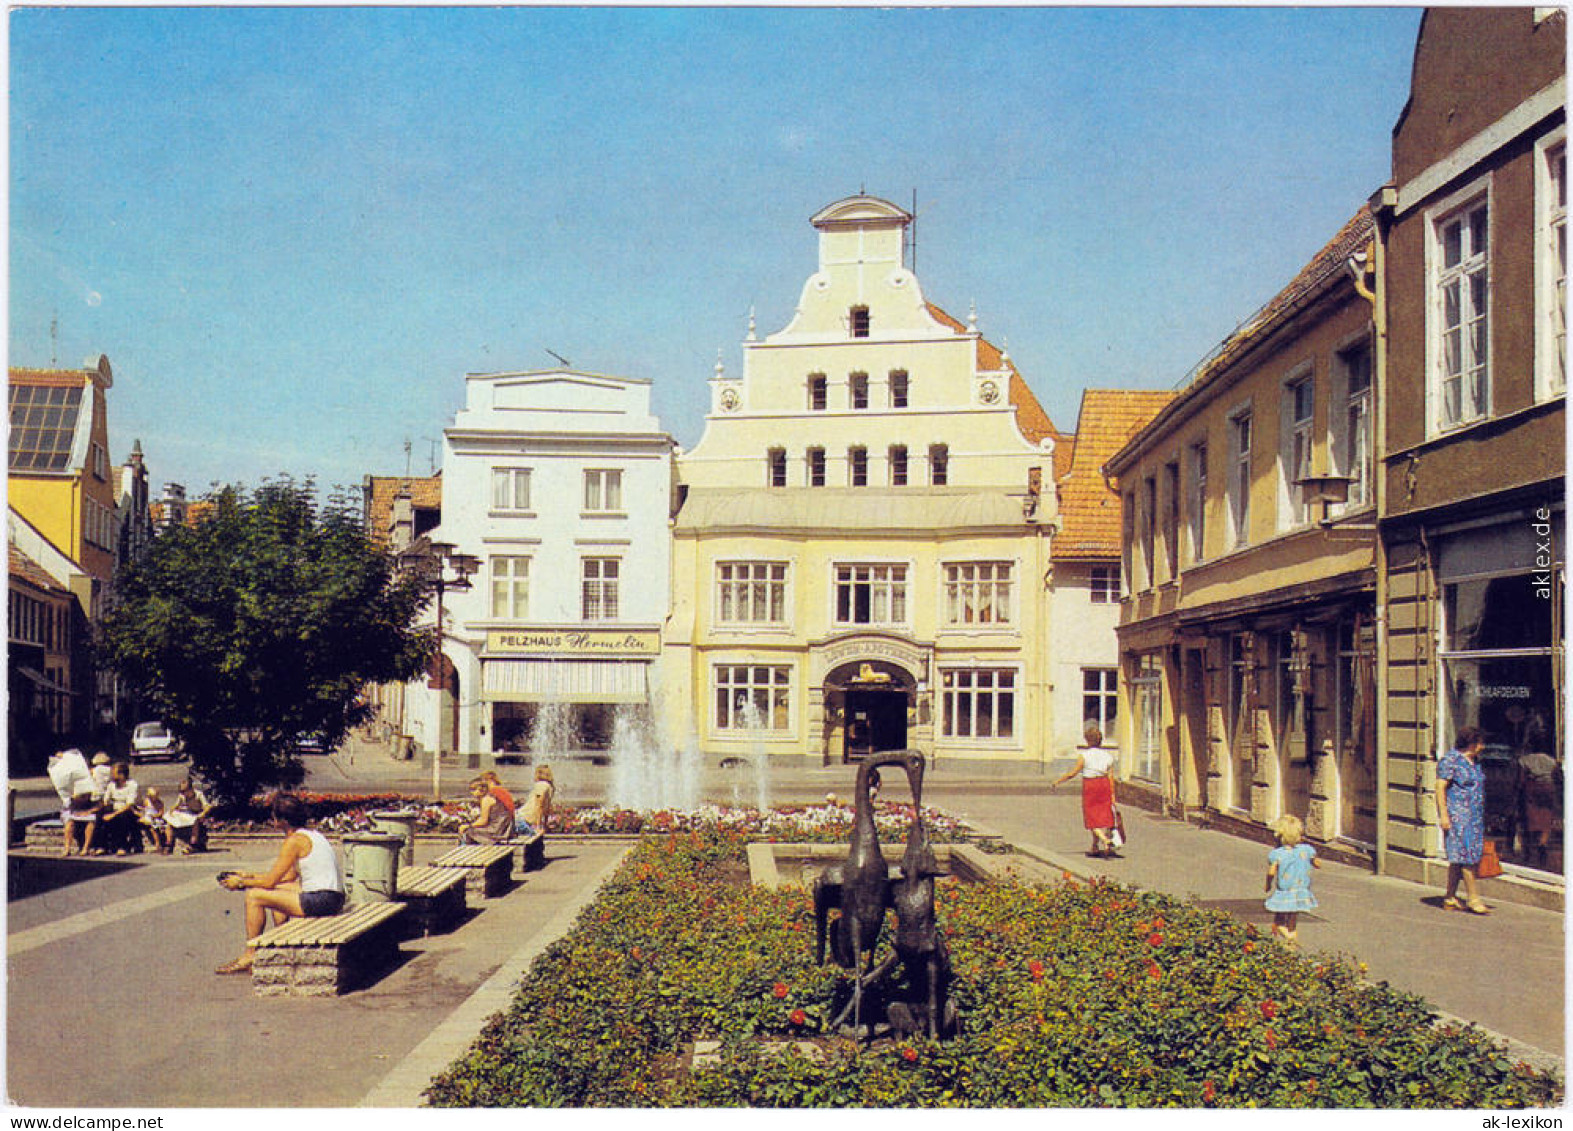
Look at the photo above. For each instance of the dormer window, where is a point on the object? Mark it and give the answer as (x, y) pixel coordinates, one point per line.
(859, 321)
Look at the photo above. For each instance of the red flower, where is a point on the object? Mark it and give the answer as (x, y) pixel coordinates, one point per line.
(1271, 1038)
(1035, 968)
(1208, 1092)
(1158, 923)
(1154, 940)
(779, 989)
(1269, 1009)
(1153, 971)
(1249, 946)
(1110, 975)
(798, 1017)
(908, 1053)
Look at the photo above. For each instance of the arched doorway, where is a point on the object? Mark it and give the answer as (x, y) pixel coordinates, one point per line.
(870, 700)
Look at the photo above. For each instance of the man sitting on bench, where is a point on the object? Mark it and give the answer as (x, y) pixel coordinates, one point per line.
(305, 880)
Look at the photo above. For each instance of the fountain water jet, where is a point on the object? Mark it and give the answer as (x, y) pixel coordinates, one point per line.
(647, 773)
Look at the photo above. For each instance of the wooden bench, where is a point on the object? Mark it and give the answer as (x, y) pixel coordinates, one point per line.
(326, 955)
(488, 868)
(435, 896)
(531, 851)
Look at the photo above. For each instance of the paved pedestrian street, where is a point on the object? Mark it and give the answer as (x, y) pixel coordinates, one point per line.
(165, 1032)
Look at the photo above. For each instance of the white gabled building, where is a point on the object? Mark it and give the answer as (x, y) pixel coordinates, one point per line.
(559, 483)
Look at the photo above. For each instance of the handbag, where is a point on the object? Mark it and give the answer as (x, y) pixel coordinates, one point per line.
(1117, 838)
(1490, 863)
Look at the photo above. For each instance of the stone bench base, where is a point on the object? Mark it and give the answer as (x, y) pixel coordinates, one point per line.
(329, 955)
(435, 897)
(488, 868)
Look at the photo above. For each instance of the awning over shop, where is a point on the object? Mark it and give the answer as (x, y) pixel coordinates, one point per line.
(38, 679)
(564, 681)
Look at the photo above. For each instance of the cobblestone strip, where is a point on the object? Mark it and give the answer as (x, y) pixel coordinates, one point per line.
(403, 1086)
(82, 922)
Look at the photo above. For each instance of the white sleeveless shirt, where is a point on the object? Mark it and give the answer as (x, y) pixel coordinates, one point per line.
(319, 868)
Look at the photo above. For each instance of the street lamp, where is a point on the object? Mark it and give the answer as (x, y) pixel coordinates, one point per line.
(446, 569)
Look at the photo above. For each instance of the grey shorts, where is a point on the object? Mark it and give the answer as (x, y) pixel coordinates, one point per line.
(315, 904)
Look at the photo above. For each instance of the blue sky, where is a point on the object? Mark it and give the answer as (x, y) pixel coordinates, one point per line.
(294, 230)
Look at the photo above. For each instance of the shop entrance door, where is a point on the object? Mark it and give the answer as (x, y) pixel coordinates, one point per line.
(876, 720)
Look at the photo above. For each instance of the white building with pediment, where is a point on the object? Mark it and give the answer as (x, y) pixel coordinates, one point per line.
(860, 558)
(559, 482)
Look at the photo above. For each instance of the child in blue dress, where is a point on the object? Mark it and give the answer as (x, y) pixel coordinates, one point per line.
(1289, 878)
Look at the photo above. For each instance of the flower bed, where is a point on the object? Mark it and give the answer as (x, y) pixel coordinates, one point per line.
(1070, 996)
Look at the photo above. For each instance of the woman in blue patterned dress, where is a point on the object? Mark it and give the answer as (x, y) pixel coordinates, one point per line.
(1461, 812)
(1289, 878)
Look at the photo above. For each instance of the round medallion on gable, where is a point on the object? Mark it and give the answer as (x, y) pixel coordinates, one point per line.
(730, 400)
(988, 392)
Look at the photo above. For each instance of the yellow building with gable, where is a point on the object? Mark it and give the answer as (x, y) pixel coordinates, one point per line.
(862, 537)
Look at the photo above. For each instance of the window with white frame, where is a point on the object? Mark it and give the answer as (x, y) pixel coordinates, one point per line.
(603, 491)
(751, 592)
(1171, 520)
(816, 467)
(1149, 532)
(598, 588)
(1103, 584)
(978, 702)
(898, 388)
(978, 593)
(1239, 486)
(857, 467)
(752, 697)
(1551, 267)
(939, 464)
(1459, 338)
(858, 320)
(857, 389)
(871, 594)
(510, 588)
(1100, 700)
(510, 488)
(1353, 438)
(898, 465)
(777, 473)
(1147, 713)
(818, 394)
(1294, 461)
(1199, 501)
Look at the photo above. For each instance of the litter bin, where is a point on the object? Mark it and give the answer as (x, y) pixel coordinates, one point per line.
(400, 825)
(372, 875)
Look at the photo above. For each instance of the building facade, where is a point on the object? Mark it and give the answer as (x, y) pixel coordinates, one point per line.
(1247, 636)
(859, 558)
(62, 487)
(559, 483)
(1473, 467)
(1085, 584)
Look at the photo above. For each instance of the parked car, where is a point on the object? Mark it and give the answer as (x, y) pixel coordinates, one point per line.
(153, 742)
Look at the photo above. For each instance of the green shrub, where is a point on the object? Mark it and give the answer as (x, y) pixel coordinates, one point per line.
(1071, 996)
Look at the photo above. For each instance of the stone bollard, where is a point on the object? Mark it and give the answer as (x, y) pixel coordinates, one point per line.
(372, 875)
(401, 825)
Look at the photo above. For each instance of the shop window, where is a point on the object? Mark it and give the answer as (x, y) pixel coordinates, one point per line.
(978, 703)
(752, 697)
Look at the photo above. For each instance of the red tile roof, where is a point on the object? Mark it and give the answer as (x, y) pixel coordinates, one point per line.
(26, 569)
(425, 494)
(1089, 511)
(1034, 423)
(1325, 270)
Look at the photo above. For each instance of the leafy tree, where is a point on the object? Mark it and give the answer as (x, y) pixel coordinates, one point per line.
(259, 625)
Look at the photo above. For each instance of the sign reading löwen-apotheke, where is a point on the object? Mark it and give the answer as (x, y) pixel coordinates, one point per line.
(573, 642)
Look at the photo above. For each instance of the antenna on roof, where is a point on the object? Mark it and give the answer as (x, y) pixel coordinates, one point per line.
(559, 357)
(433, 450)
(914, 248)
(54, 340)
(406, 457)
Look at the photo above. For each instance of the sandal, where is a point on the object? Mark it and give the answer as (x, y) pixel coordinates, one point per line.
(235, 967)
(1451, 904)
(1476, 907)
